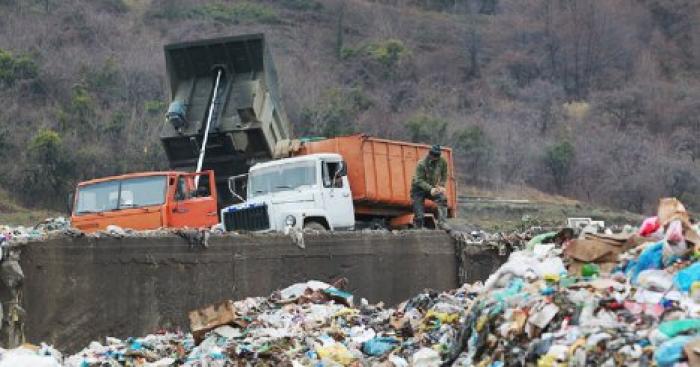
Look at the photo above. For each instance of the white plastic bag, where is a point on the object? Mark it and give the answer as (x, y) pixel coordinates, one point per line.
(426, 357)
(26, 358)
(655, 280)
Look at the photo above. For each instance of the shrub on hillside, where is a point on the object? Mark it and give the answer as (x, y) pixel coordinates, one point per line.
(336, 114)
(49, 171)
(387, 52)
(154, 107)
(558, 159)
(475, 148)
(302, 4)
(427, 129)
(15, 68)
(226, 13)
(112, 6)
(235, 13)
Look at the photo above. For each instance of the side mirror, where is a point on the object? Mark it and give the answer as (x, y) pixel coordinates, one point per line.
(179, 193)
(343, 169)
(69, 203)
(233, 185)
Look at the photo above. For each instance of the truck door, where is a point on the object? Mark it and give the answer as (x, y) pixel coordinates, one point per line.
(337, 197)
(193, 207)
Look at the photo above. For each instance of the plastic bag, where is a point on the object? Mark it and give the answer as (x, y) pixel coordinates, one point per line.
(426, 357)
(335, 352)
(655, 280)
(398, 361)
(675, 327)
(650, 258)
(551, 265)
(687, 276)
(674, 233)
(673, 251)
(379, 346)
(515, 286)
(21, 357)
(671, 351)
(649, 226)
(540, 239)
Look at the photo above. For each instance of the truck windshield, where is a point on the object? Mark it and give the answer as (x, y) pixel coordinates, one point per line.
(121, 194)
(282, 178)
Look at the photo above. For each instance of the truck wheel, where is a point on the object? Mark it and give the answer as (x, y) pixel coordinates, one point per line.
(315, 226)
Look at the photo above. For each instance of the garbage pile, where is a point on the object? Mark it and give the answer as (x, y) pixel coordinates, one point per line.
(312, 323)
(503, 242)
(626, 299)
(41, 231)
(30, 356)
(605, 299)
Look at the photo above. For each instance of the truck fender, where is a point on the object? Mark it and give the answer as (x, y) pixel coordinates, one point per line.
(318, 219)
(303, 216)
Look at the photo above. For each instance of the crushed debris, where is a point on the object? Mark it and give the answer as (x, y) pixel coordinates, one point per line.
(608, 299)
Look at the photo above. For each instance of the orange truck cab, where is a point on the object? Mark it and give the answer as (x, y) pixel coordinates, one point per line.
(147, 200)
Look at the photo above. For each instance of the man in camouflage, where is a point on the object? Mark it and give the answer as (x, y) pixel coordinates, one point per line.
(429, 182)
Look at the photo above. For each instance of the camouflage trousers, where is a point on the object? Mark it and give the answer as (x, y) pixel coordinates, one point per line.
(418, 197)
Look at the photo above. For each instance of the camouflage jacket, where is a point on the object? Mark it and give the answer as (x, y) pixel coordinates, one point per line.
(430, 174)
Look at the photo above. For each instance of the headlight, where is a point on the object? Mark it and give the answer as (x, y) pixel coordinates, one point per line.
(290, 220)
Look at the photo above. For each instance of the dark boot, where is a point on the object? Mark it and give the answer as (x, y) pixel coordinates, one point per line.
(442, 217)
(441, 201)
(418, 198)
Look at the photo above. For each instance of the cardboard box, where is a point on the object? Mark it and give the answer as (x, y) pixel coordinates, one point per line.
(210, 317)
(600, 249)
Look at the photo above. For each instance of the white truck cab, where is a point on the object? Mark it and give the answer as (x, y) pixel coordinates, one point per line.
(310, 191)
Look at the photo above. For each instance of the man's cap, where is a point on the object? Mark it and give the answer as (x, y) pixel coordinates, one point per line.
(436, 150)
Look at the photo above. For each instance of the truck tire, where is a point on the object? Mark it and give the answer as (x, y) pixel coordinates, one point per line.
(315, 226)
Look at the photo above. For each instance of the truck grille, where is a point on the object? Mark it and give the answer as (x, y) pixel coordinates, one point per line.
(247, 219)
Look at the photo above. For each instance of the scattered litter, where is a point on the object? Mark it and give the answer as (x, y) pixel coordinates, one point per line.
(29, 355)
(305, 324)
(622, 301)
(602, 299)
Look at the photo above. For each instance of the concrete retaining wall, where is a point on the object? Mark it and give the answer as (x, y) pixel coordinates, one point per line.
(82, 289)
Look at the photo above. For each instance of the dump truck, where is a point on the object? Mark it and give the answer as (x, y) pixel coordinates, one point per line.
(226, 112)
(332, 184)
(225, 115)
(146, 200)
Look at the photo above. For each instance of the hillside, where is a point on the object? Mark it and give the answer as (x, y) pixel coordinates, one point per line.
(12, 213)
(592, 100)
(518, 208)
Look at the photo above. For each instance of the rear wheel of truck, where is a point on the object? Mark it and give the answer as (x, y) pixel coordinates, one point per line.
(315, 226)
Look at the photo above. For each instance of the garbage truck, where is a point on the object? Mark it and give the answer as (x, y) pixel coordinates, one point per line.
(226, 112)
(332, 184)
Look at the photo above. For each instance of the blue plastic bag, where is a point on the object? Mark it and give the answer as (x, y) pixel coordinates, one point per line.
(515, 286)
(685, 278)
(379, 346)
(671, 351)
(651, 258)
(682, 326)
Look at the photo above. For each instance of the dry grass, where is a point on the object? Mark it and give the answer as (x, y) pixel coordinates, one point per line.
(515, 208)
(517, 192)
(12, 213)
